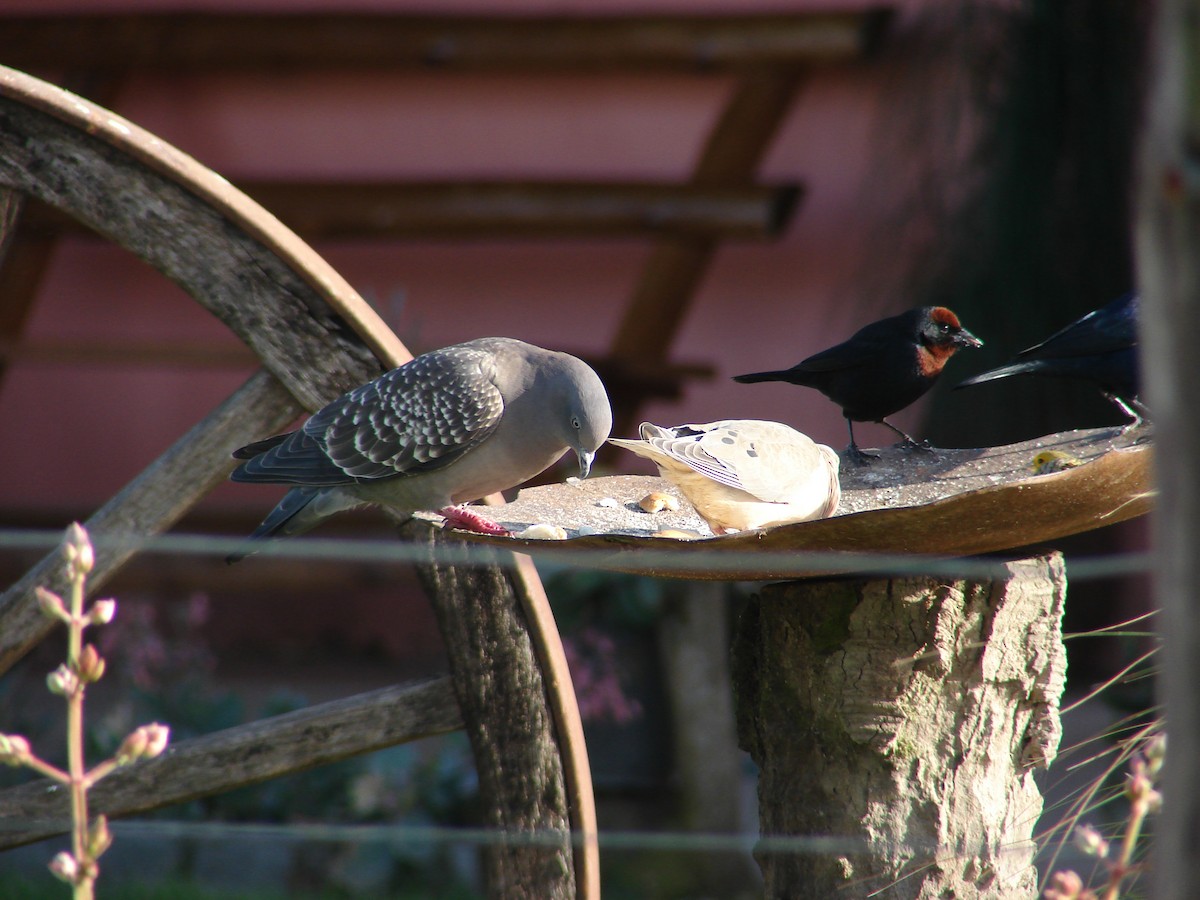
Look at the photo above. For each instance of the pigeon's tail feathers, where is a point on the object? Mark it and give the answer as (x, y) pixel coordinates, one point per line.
(300, 510)
(295, 458)
(252, 450)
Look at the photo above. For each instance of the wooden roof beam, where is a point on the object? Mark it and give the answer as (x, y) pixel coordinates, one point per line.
(365, 40)
(331, 210)
(676, 266)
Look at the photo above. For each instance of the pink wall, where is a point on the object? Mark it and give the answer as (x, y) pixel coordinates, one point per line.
(84, 430)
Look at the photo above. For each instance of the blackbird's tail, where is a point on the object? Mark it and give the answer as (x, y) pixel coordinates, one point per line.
(756, 377)
(1028, 367)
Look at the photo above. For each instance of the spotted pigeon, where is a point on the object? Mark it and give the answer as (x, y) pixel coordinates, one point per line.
(741, 474)
(448, 427)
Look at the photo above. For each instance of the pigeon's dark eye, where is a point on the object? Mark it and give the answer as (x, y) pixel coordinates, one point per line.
(575, 422)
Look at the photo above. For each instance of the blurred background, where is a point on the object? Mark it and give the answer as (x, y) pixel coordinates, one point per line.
(974, 154)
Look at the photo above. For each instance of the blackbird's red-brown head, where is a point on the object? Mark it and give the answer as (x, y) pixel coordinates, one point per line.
(941, 336)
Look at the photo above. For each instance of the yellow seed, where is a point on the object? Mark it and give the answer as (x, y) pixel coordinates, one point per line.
(657, 501)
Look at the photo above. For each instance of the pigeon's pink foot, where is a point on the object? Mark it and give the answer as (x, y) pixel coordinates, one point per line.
(468, 520)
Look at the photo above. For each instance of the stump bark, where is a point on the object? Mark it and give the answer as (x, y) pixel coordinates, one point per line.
(904, 719)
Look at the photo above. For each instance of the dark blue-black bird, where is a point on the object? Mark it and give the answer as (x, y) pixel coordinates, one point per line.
(1101, 347)
(881, 368)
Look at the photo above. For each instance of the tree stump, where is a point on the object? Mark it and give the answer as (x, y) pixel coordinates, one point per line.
(903, 718)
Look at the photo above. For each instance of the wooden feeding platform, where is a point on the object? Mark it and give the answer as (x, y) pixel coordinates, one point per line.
(900, 717)
(945, 503)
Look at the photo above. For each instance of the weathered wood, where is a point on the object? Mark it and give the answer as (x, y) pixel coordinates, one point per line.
(299, 316)
(1168, 256)
(675, 267)
(228, 253)
(503, 697)
(374, 40)
(241, 756)
(952, 503)
(903, 718)
(23, 260)
(148, 505)
(568, 723)
(12, 204)
(225, 268)
(339, 210)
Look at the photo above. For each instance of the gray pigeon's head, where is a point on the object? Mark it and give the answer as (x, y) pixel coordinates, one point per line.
(586, 414)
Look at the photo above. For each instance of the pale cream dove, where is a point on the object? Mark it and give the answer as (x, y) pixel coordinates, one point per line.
(742, 474)
(448, 427)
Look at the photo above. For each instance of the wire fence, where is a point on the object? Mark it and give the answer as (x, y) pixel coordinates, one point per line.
(392, 551)
(800, 563)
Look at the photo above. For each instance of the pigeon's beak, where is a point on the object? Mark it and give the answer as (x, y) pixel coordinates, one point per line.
(964, 338)
(585, 462)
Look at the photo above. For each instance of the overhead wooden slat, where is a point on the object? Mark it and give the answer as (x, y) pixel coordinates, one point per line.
(731, 156)
(303, 320)
(24, 255)
(23, 259)
(620, 376)
(365, 40)
(331, 210)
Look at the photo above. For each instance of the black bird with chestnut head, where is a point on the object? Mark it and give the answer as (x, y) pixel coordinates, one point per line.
(1101, 347)
(883, 368)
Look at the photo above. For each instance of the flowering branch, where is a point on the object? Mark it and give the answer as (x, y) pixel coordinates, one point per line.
(84, 665)
(1144, 799)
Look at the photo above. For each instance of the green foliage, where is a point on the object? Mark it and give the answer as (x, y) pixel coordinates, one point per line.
(582, 597)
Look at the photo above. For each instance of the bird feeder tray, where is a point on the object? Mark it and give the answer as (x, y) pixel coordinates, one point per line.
(947, 503)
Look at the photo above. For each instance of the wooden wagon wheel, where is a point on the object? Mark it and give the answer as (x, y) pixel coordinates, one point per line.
(316, 337)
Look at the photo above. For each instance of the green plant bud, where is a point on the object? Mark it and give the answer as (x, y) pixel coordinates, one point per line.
(99, 837)
(62, 681)
(132, 747)
(65, 868)
(102, 612)
(1091, 842)
(90, 666)
(51, 604)
(157, 737)
(14, 749)
(78, 549)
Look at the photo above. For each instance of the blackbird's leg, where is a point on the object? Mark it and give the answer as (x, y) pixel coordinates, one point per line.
(907, 442)
(1134, 408)
(856, 456)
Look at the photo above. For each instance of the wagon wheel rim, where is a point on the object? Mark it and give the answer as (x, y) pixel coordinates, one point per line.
(281, 276)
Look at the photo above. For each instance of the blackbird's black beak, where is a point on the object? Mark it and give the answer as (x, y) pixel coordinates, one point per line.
(964, 338)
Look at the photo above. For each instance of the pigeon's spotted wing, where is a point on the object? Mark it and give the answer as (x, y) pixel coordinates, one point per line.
(421, 416)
